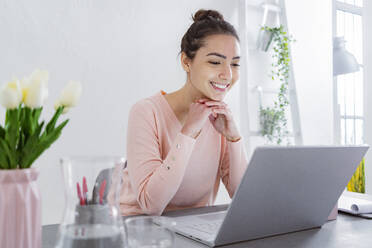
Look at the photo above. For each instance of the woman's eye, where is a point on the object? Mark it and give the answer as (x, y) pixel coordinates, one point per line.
(214, 62)
(235, 65)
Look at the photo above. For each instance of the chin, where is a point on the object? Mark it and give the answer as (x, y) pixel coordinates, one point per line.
(214, 96)
(218, 98)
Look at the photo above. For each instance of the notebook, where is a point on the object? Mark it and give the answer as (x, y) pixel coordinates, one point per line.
(356, 204)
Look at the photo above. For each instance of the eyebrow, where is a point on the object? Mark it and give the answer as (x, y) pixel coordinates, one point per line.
(221, 56)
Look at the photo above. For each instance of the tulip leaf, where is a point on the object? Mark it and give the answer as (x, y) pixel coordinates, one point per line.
(36, 114)
(12, 127)
(11, 160)
(4, 164)
(2, 132)
(22, 140)
(50, 126)
(27, 122)
(44, 143)
(30, 147)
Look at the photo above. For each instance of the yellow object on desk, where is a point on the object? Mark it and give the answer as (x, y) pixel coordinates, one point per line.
(357, 181)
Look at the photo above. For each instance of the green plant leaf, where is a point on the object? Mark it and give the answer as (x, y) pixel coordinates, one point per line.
(44, 143)
(273, 121)
(27, 126)
(12, 130)
(51, 124)
(10, 158)
(4, 162)
(12, 127)
(2, 132)
(36, 114)
(30, 146)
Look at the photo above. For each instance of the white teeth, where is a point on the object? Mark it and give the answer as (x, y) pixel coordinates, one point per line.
(220, 86)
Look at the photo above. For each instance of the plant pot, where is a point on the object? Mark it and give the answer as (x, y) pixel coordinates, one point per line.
(264, 40)
(20, 209)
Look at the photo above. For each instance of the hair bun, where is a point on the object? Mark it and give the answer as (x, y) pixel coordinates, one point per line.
(207, 14)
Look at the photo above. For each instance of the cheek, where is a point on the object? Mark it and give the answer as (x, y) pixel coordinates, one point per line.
(204, 75)
(235, 76)
(197, 72)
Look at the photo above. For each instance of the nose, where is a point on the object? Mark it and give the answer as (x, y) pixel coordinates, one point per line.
(225, 73)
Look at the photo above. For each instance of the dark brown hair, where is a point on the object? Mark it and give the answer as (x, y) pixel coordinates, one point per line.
(206, 23)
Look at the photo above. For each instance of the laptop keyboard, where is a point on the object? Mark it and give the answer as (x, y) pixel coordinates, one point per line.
(209, 228)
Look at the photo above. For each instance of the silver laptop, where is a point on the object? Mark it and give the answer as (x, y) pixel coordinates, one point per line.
(284, 189)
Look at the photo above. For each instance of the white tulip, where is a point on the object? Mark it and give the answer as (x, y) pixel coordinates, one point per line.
(70, 95)
(58, 104)
(11, 95)
(40, 75)
(35, 89)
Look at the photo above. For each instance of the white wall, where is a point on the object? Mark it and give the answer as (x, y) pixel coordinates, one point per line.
(310, 22)
(123, 51)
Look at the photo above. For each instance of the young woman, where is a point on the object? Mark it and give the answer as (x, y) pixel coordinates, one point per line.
(180, 144)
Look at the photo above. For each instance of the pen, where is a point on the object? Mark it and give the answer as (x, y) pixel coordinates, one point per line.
(85, 190)
(79, 194)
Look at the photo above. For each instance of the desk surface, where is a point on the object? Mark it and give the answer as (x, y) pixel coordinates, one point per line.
(346, 231)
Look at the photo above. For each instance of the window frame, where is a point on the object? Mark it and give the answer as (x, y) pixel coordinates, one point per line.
(338, 118)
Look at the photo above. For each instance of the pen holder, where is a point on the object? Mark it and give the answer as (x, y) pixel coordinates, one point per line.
(91, 218)
(93, 214)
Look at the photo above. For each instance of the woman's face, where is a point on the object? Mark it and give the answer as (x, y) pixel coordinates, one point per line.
(215, 67)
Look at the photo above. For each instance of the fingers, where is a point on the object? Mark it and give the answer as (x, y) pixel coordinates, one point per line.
(214, 103)
(210, 102)
(226, 112)
(213, 108)
(212, 118)
(201, 108)
(203, 100)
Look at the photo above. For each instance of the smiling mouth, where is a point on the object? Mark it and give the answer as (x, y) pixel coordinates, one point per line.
(218, 86)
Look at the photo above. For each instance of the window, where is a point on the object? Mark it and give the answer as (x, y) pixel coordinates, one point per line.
(348, 23)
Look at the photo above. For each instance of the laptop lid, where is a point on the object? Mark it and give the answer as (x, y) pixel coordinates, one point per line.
(286, 189)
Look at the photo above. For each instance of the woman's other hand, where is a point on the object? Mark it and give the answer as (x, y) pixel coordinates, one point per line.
(222, 119)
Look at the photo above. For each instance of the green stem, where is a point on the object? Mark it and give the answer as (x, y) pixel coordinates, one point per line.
(273, 120)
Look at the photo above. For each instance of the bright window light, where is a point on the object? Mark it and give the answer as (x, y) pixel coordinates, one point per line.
(350, 86)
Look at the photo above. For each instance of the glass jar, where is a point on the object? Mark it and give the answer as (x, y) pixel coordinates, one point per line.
(92, 218)
(150, 231)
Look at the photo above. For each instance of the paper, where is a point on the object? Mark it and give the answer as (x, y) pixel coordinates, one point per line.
(354, 205)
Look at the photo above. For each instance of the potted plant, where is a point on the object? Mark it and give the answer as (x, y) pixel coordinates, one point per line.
(23, 138)
(265, 37)
(273, 120)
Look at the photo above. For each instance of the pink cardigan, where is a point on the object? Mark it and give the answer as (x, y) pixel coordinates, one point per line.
(168, 170)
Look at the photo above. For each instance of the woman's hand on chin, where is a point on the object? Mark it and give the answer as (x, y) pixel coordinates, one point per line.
(222, 119)
(196, 118)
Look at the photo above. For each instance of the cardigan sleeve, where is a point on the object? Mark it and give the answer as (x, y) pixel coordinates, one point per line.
(155, 181)
(233, 164)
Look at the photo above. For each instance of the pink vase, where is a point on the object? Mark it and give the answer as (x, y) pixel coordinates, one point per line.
(20, 209)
